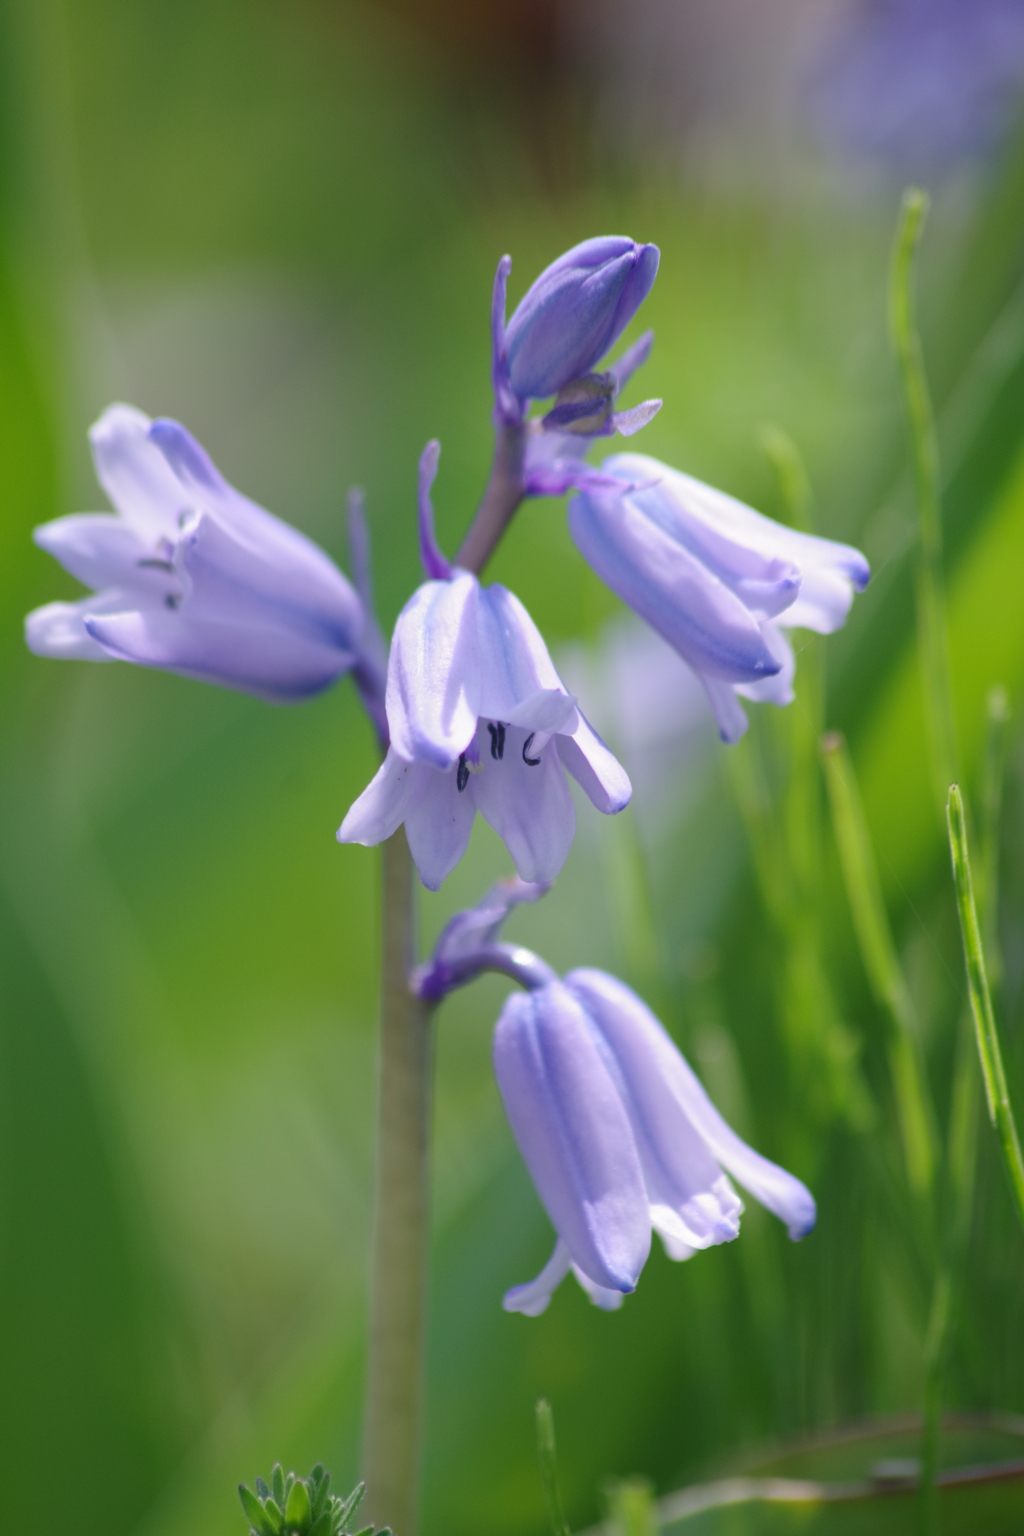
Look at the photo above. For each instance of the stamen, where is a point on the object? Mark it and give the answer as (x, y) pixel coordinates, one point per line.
(156, 565)
(462, 773)
(497, 740)
(171, 601)
(531, 762)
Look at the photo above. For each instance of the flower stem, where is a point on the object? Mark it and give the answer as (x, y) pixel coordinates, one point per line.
(401, 1221)
(505, 490)
(931, 602)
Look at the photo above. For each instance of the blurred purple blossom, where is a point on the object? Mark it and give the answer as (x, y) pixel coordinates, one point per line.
(192, 577)
(922, 84)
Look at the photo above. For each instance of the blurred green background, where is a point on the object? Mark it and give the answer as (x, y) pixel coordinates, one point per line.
(279, 223)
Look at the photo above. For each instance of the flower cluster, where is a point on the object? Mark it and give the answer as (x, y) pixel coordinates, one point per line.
(190, 576)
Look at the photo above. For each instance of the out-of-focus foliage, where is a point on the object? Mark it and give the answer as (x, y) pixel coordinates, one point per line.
(280, 224)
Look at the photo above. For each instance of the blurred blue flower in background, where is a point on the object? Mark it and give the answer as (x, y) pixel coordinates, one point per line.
(620, 1137)
(192, 577)
(922, 84)
(716, 579)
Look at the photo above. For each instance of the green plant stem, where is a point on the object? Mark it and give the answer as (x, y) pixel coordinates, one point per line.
(881, 962)
(401, 1224)
(933, 640)
(990, 1054)
(393, 1421)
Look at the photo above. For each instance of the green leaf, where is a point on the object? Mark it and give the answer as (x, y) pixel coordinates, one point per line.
(273, 1511)
(297, 1512)
(321, 1525)
(351, 1504)
(254, 1512)
(322, 1490)
(262, 1489)
(277, 1482)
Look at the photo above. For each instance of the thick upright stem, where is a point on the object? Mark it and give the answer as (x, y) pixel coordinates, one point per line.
(505, 490)
(398, 1273)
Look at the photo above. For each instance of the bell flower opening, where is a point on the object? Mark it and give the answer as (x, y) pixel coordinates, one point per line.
(479, 720)
(192, 577)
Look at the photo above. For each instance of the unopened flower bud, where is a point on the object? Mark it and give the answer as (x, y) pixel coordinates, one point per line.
(575, 311)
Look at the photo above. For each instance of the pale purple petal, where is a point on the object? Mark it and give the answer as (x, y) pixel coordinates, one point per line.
(725, 706)
(58, 630)
(269, 661)
(133, 472)
(438, 826)
(778, 689)
(624, 1019)
(393, 792)
(101, 550)
(234, 581)
(685, 1185)
(518, 681)
(532, 1298)
(735, 520)
(697, 614)
(600, 1295)
(628, 423)
(596, 770)
(573, 1133)
(826, 597)
(529, 807)
(433, 690)
(765, 580)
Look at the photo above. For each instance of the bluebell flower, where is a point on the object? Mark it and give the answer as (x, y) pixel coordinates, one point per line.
(192, 577)
(717, 580)
(479, 720)
(575, 312)
(621, 1139)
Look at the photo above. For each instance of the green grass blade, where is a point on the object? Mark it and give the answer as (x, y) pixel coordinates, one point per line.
(881, 962)
(987, 1037)
(933, 637)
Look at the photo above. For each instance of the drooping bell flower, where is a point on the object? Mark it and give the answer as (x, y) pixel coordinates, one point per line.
(621, 1139)
(192, 577)
(717, 580)
(479, 720)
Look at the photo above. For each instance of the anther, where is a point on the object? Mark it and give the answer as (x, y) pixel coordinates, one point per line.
(462, 772)
(497, 740)
(156, 565)
(531, 762)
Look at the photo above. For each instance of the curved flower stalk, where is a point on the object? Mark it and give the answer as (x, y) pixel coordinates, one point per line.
(479, 720)
(192, 577)
(717, 580)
